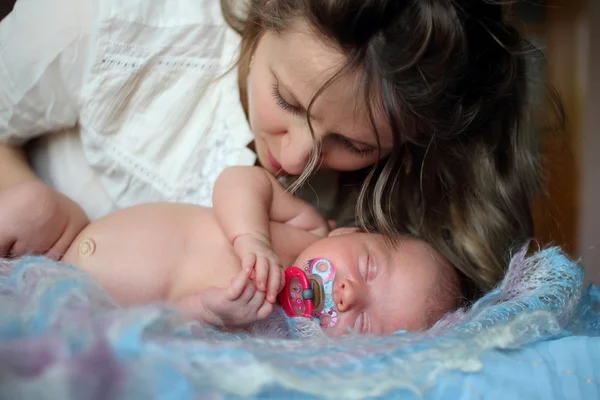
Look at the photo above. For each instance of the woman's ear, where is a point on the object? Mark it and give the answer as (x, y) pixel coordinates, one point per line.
(342, 231)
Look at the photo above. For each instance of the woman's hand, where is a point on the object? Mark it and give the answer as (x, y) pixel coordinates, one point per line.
(36, 219)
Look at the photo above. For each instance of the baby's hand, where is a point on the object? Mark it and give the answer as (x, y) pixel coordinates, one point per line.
(259, 259)
(236, 306)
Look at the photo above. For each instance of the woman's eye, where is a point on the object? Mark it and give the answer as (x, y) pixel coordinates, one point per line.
(358, 150)
(282, 103)
(361, 151)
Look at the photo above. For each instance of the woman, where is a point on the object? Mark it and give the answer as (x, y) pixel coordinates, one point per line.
(415, 108)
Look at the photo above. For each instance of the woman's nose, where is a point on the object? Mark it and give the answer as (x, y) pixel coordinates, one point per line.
(296, 149)
(348, 295)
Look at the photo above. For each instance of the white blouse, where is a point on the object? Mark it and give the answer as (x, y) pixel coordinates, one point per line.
(132, 93)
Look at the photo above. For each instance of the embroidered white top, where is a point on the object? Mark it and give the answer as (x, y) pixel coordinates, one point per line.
(131, 94)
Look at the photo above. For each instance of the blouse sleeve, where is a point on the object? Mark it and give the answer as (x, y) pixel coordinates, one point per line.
(44, 46)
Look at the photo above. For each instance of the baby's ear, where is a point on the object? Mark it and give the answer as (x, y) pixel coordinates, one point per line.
(342, 231)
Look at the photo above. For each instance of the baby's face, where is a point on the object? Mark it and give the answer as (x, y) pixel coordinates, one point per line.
(378, 288)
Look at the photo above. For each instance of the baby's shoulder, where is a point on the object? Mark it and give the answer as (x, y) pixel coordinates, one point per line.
(289, 241)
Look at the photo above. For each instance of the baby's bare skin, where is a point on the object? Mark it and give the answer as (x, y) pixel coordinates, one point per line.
(222, 266)
(167, 251)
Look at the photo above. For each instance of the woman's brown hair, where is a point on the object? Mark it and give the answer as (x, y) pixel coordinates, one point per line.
(451, 77)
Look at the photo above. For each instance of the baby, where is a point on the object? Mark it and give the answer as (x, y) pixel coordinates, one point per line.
(222, 265)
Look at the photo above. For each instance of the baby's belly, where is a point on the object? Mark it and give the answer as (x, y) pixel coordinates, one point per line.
(208, 262)
(154, 253)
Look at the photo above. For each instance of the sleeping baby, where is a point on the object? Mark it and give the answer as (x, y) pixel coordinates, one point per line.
(222, 266)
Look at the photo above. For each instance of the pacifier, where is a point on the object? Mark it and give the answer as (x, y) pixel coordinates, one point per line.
(308, 292)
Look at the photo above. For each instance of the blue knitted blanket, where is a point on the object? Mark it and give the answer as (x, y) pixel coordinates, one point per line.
(537, 335)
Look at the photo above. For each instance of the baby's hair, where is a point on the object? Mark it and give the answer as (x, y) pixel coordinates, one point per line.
(447, 297)
(451, 78)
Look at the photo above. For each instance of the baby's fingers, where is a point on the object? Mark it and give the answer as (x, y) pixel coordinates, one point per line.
(248, 294)
(274, 284)
(238, 284)
(264, 311)
(248, 261)
(262, 273)
(256, 299)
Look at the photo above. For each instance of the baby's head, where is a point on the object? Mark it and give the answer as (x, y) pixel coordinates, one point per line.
(377, 286)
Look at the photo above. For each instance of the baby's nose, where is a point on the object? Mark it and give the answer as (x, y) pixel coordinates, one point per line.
(349, 295)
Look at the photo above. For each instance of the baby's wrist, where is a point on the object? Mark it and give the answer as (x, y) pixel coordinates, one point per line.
(251, 235)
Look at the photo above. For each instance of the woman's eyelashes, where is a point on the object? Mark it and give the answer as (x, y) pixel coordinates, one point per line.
(360, 151)
(281, 102)
(338, 139)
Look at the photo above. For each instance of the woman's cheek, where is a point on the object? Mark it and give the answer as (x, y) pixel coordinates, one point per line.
(262, 109)
(272, 119)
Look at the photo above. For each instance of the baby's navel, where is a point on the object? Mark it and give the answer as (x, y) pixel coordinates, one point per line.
(87, 247)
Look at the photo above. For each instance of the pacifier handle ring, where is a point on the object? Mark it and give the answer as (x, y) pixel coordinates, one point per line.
(284, 298)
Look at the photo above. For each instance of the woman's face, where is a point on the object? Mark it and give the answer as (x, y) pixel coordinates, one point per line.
(287, 70)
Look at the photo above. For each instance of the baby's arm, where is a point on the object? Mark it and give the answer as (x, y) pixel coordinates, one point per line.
(245, 201)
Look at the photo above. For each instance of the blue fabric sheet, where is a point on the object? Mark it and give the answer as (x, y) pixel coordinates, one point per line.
(536, 336)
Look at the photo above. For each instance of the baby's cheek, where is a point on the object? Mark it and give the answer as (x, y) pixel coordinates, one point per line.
(337, 331)
(342, 325)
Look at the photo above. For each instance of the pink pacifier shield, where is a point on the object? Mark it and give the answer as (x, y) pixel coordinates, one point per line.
(328, 315)
(298, 295)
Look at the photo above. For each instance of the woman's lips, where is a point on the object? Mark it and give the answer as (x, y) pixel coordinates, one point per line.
(276, 165)
(273, 160)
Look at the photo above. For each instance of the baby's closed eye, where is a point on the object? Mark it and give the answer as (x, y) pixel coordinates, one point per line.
(368, 268)
(363, 266)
